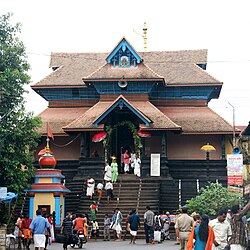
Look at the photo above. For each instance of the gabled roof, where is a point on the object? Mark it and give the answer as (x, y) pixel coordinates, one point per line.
(177, 67)
(151, 117)
(123, 43)
(122, 101)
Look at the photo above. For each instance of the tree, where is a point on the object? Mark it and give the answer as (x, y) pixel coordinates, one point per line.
(212, 198)
(18, 136)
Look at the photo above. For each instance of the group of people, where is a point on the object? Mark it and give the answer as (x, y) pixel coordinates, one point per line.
(91, 187)
(39, 230)
(131, 163)
(201, 233)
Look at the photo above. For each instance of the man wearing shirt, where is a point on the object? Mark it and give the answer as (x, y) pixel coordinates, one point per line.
(79, 223)
(38, 227)
(183, 226)
(222, 230)
(148, 225)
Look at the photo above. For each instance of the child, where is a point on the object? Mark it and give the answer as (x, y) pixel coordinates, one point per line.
(95, 229)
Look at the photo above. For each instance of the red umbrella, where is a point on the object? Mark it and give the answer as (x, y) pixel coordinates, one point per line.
(99, 137)
(143, 133)
(43, 151)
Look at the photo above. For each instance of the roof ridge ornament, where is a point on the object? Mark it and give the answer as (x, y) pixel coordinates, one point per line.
(124, 55)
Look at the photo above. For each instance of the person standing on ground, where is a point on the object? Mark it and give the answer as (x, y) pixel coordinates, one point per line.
(222, 230)
(118, 223)
(238, 239)
(202, 234)
(95, 229)
(166, 226)
(157, 227)
(39, 226)
(134, 222)
(109, 189)
(106, 228)
(66, 229)
(18, 231)
(114, 167)
(26, 221)
(149, 225)
(183, 227)
(127, 226)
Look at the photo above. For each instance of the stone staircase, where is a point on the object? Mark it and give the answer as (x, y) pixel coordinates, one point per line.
(129, 193)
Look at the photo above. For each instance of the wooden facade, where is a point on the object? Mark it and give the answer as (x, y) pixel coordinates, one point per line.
(163, 93)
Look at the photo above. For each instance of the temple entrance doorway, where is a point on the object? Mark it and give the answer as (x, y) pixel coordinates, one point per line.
(121, 140)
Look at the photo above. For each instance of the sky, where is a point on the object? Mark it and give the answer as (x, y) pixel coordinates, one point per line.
(221, 26)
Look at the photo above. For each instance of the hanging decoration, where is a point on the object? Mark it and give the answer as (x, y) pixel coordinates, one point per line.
(99, 136)
(143, 134)
(132, 128)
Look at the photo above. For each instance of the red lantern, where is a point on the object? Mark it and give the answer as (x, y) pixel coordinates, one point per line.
(99, 137)
(143, 133)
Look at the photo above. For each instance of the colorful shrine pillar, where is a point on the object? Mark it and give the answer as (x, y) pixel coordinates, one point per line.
(47, 193)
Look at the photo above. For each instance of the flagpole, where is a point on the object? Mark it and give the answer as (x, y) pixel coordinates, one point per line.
(47, 139)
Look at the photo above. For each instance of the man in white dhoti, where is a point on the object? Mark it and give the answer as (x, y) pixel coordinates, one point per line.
(90, 187)
(38, 227)
(137, 166)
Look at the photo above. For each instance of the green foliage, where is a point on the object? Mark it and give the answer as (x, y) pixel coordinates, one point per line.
(212, 198)
(18, 136)
(132, 128)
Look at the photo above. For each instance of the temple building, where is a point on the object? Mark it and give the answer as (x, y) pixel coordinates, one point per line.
(154, 103)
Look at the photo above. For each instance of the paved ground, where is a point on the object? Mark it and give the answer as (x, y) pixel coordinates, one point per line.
(122, 245)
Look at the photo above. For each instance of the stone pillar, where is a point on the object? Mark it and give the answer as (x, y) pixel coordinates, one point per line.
(82, 145)
(164, 159)
(223, 148)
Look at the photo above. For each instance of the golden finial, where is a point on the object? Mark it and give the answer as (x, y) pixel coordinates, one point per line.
(145, 29)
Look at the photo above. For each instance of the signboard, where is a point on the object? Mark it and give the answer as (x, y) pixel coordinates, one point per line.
(235, 169)
(155, 165)
(3, 192)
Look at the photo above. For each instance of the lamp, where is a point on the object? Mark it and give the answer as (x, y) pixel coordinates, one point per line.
(207, 148)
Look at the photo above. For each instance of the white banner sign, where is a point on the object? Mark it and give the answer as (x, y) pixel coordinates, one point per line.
(155, 165)
(235, 169)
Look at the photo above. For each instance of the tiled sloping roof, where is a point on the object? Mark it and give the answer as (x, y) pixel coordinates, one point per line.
(85, 121)
(198, 120)
(160, 120)
(107, 71)
(177, 67)
(58, 118)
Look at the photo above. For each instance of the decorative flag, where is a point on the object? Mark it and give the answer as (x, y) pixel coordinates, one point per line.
(49, 133)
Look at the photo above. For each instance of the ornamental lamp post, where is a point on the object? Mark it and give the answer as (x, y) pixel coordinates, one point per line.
(207, 148)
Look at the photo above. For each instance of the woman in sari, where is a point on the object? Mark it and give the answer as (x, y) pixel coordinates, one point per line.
(201, 236)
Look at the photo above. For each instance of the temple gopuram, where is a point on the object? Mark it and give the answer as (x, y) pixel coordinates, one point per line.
(154, 103)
